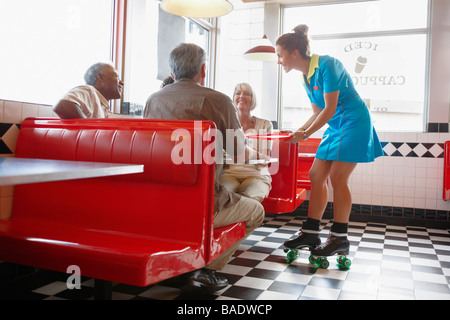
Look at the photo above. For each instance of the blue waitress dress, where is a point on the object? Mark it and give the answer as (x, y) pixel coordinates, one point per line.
(350, 136)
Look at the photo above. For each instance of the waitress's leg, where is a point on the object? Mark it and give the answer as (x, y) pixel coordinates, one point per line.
(342, 198)
(318, 197)
(337, 241)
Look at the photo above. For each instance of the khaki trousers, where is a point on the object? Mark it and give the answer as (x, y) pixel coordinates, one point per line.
(257, 187)
(246, 209)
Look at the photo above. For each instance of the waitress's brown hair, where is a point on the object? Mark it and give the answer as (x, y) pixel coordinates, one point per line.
(296, 40)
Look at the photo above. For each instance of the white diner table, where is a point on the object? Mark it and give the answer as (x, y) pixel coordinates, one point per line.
(15, 171)
(307, 155)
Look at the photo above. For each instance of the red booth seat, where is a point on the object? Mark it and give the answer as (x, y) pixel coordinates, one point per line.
(306, 155)
(285, 195)
(135, 229)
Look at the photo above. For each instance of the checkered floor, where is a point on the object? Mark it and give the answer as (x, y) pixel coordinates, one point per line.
(388, 262)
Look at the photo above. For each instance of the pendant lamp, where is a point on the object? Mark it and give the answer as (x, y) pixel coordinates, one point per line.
(264, 51)
(197, 8)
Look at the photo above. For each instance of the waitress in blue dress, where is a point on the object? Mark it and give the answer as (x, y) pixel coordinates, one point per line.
(349, 139)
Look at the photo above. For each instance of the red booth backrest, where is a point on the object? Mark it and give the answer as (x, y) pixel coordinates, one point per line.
(186, 188)
(306, 151)
(285, 179)
(110, 144)
(284, 196)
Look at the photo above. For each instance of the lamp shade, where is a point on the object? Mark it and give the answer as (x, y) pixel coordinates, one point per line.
(264, 51)
(197, 8)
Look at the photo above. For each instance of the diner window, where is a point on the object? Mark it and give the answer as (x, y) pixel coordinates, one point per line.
(241, 30)
(47, 46)
(384, 50)
(151, 35)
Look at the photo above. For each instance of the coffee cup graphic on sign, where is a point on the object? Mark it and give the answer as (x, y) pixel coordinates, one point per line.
(360, 64)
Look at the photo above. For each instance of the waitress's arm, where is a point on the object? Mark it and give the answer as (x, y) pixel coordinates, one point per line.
(318, 120)
(316, 112)
(307, 124)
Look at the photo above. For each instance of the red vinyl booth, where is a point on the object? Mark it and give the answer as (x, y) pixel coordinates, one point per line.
(284, 196)
(135, 229)
(446, 187)
(306, 155)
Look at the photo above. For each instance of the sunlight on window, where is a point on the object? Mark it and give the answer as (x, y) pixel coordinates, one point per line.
(241, 30)
(47, 46)
(366, 16)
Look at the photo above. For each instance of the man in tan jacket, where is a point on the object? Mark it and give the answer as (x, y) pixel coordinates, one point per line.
(188, 99)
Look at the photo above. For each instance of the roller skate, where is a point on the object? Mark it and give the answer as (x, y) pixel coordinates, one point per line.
(306, 241)
(334, 245)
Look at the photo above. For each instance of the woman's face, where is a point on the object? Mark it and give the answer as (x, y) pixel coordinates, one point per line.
(285, 59)
(242, 99)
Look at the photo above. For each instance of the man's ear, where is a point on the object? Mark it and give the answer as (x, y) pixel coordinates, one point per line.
(204, 70)
(99, 77)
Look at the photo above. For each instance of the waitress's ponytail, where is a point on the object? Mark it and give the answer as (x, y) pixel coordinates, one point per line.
(296, 40)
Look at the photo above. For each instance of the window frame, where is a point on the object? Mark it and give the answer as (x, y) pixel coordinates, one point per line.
(118, 41)
(211, 27)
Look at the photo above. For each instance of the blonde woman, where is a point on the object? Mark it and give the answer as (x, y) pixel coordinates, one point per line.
(252, 181)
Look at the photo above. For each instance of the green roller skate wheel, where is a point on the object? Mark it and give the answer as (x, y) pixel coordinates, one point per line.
(292, 255)
(312, 259)
(344, 263)
(323, 263)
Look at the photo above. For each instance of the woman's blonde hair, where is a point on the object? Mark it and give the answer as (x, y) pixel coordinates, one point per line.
(246, 87)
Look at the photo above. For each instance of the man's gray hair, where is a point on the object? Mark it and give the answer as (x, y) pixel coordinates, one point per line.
(91, 75)
(186, 61)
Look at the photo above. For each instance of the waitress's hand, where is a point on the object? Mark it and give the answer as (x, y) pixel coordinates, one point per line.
(297, 136)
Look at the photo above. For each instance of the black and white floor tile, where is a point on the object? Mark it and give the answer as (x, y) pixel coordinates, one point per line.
(388, 262)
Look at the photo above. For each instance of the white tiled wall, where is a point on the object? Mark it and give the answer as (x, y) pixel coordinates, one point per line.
(400, 182)
(411, 182)
(15, 112)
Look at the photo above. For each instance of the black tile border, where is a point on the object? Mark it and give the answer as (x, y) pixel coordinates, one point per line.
(442, 127)
(412, 146)
(4, 127)
(432, 127)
